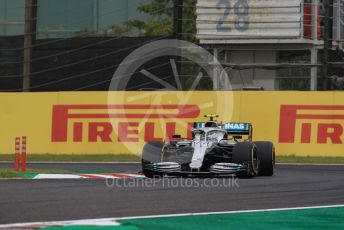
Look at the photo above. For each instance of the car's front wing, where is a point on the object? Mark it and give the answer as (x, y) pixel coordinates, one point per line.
(173, 168)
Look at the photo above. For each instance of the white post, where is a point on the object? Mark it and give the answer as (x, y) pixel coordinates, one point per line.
(315, 7)
(302, 21)
(338, 21)
(215, 70)
(314, 70)
(96, 16)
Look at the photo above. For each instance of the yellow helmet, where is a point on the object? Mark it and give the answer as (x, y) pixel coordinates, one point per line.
(211, 116)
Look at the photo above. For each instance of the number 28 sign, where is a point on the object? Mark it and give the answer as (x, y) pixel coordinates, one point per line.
(240, 9)
(225, 20)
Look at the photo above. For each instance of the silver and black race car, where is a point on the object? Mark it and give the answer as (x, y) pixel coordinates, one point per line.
(216, 149)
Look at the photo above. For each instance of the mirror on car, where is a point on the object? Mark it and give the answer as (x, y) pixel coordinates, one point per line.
(176, 136)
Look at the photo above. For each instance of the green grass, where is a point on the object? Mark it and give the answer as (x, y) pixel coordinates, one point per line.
(76, 157)
(309, 159)
(135, 158)
(9, 173)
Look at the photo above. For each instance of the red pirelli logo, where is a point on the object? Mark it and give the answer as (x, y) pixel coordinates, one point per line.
(329, 131)
(82, 115)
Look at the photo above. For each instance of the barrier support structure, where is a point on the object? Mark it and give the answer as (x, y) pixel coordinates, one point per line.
(17, 154)
(23, 154)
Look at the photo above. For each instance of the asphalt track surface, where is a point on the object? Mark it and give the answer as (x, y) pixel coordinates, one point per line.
(50, 200)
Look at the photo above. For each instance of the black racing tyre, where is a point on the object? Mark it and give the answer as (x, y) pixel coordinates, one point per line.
(152, 151)
(245, 153)
(266, 157)
(151, 154)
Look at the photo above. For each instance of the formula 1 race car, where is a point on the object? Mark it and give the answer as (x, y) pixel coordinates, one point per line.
(216, 149)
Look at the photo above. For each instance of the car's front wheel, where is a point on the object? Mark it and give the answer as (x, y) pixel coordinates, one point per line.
(266, 157)
(151, 154)
(245, 153)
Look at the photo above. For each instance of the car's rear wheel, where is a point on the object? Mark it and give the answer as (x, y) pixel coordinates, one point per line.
(266, 157)
(151, 154)
(245, 153)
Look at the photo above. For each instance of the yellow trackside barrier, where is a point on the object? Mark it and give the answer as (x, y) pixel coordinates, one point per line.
(300, 123)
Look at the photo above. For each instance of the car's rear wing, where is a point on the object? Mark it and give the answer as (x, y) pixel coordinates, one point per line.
(232, 128)
(239, 129)
(236, 128)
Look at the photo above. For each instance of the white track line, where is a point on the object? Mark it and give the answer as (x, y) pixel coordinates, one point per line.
(229, 212)
(114, 221)
(134, 175)
(93, 222)
(88, 176)
(56, 176)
